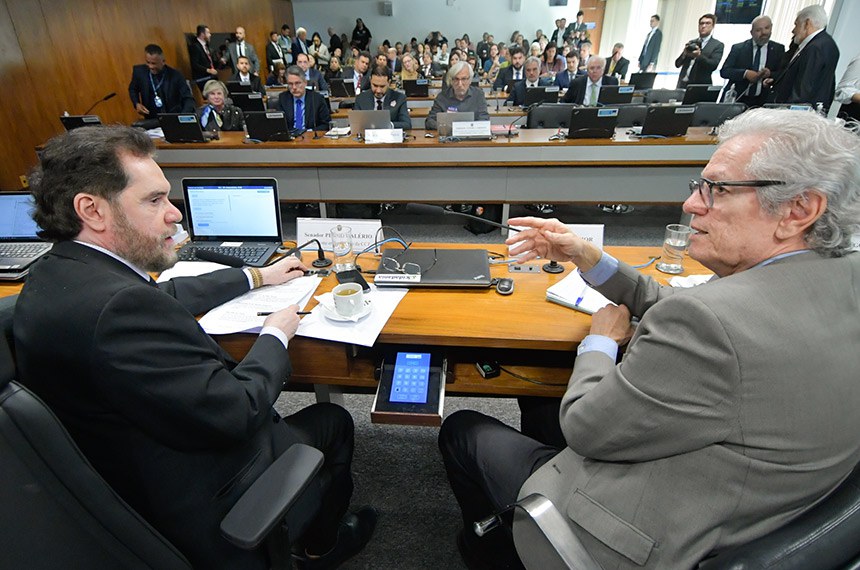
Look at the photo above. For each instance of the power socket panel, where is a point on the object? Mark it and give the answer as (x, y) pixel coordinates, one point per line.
(517, 268)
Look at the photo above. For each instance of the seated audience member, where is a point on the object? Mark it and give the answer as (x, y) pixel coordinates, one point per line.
(566, 77)
(617, 65)
(312, 76)
(551, 63)
(393, 61)
(535, 50)
(381, 59)
(708, 407)
(514, 72)
(176, 426)
(460, 95)
(533, 79)
(585, 90)
(381, 98)
(352, 56)
(441, 57)
(278, 76)
(217, 114)
(156, 88)
(491, 65)
(409, 68)
(319, 50)
(584, 54)
(359, 72)
(334, 70)
(456, 55)
(243, 75)
(472, 60)
(430, 68)
(848, 90)
(303, 109)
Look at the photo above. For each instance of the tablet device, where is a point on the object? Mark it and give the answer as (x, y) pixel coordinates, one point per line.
(411, 388)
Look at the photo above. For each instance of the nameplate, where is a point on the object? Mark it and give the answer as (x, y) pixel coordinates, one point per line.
(275, 115)
(551, 89)
(91, 119)
(462, 129)
(607, 112)
(685, 110)
(626, 89)
(396, 278)
(187, 118)
(378, 136)
(592, 233)
(364, 232)
(715, 88)
(252, 96)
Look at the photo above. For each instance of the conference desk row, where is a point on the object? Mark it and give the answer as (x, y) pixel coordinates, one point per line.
(526, 168)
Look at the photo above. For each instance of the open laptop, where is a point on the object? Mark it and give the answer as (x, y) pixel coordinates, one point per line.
(339, 87)
(182, 128)
(360, 121)
(642, 80)
(541, 94)
(592, 123)
(615, 94)
(436, 268)
(268, 126)
(445, 121)
(248, 102)
(667, 120)
(76, 121)
(550, 116)
(701, 94)
(233, 216)
(416, 87)
(20, 247)
(238, 87)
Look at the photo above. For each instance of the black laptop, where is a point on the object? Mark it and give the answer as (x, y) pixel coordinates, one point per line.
(248, 102)
(416, 87)
(701, 94)
(592, 123)
(615, 94)
(541, 94)
(268, 126)
(20, 247)
(433, 268)
(642, 80)
(233, 216)
(238, 87)
(667, 120)
(76, 121)
(182, 128)
(339, 87)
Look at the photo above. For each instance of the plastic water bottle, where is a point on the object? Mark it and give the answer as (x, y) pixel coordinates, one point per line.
(731, 95)
(819, 108)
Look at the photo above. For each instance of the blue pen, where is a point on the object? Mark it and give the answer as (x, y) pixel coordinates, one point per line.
(581, 296)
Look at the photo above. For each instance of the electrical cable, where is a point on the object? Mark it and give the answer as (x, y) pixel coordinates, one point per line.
(527, 379)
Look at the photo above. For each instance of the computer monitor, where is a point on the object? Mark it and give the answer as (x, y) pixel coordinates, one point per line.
(550, 116)
(267, 126)
(182, 128)
(541, 94)
(238, 87)
(615, 94)
(592, 122)
(340, 87)
(249, 102)
(701, 94)
(416, 87)
(360, 121)
(668, 120)
(642, 80)
(76, 121)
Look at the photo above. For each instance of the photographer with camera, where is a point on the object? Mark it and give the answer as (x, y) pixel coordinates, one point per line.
(701, 55)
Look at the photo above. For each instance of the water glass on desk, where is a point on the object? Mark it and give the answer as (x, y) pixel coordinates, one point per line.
(341, 244)
(674, 244)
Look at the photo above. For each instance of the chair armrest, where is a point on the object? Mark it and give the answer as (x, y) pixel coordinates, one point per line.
(270, 497)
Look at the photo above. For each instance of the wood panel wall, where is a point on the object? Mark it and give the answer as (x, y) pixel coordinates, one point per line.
(63, 55)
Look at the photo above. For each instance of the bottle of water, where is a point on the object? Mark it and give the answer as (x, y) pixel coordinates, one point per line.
(819, 108)
(731, 95)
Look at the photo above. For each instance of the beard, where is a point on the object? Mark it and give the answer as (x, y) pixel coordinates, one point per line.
(143, 251)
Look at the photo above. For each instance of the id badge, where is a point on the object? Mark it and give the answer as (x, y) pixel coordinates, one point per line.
(158, 102)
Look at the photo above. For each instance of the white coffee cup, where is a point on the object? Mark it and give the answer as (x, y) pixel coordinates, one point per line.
(348, 299)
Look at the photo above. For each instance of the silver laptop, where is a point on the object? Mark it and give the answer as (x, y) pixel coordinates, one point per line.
(20, 247)
(232, 216)
(445, 121)
(360, 121)
(433, 268)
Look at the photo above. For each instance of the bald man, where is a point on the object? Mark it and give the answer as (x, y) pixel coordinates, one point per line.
(751, 62)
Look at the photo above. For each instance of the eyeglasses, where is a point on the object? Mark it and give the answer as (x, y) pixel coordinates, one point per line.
(409, 267)
(705, 187)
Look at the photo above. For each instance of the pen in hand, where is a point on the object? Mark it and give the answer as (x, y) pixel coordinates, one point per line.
(581, 296)
(267, 313)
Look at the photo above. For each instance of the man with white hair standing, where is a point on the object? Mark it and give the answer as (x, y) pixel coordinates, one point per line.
(300, 44)
(751, 62)
(810, 76)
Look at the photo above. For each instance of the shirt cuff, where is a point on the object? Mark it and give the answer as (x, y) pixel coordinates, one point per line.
(602, 271)
(247, 273)
(599, 343)
(277, 333)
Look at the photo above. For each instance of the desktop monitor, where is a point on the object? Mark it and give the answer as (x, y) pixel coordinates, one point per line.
(701, 94)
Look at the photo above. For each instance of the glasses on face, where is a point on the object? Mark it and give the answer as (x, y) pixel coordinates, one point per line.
(409, 268)
(705, 187)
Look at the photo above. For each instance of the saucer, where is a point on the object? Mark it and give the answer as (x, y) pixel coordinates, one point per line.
(330, 314)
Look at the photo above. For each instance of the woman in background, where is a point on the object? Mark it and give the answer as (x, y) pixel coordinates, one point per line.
(217, 114)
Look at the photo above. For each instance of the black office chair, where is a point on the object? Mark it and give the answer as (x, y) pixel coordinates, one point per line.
(57, 512)
(827, 537)
(715, 114)
(663, 96)
(550, 116)
(630, 114)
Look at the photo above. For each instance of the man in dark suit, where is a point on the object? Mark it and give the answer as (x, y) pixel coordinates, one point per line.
(312, 75)
(585, 90)
(559, 34)
(533, 79)
(303, 109)
(394, 63)
(429, 68)
(202, 62)
(360, 72)
(651, 48)
(381, 98)
(701, 55)
(810, 76)
(241, 48)
(176, 426)
(300, 44)
(566, 77)
(513, 72)
(617, 64)
(578, 26)
(274, 52)
(751, 62)
(156, 88)
(243, 75)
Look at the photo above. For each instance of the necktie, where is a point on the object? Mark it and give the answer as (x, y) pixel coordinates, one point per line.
(517, 75)
(611, 66)
(592, 98)
(241, 49)
(299, 121)
(756, 65)
(379, 104)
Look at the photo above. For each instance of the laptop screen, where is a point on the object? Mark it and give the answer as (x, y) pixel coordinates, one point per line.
(16, 221)
(224, 208)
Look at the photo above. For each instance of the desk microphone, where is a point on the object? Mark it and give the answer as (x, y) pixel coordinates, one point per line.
(105, 98)
(528, 110)
(419, 208)
(215, 257)
(320, 261)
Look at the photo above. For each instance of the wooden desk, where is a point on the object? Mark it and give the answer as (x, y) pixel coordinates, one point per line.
(524, 169)
(501, 116)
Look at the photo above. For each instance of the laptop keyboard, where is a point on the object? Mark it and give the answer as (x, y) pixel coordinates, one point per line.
(10, 250)
(247, 254)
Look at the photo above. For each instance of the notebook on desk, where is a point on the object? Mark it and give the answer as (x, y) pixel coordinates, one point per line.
(20, 247)
(573, 292)
(433, 268)
(233, 216)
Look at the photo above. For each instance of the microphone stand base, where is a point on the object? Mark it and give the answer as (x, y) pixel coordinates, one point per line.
(552, 267)
(325, 262)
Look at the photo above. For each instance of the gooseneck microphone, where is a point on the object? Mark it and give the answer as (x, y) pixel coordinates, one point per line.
(418, 208)
(528, 110)
(105, 98)
(320, 261)
(215, 257)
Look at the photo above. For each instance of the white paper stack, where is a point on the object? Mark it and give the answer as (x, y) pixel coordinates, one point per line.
(575, 293)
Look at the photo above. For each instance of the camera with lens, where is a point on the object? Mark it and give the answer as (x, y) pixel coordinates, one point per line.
(693, 46)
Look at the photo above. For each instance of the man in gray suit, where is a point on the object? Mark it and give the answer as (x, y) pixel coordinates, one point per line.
(240, 48)
(733, 410)
(701, 55)
(651, 48)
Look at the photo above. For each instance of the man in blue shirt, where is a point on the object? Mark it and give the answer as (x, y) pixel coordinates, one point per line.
(304, 110)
